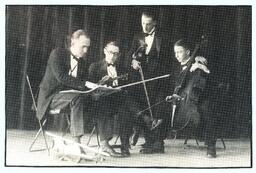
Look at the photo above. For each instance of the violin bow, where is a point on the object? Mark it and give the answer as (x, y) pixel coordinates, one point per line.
(139, 82)
(158, 103)
(146, 92)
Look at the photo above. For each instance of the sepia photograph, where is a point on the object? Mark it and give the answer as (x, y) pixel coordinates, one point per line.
(128, 86)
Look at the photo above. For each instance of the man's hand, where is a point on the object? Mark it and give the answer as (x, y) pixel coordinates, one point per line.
(201, 60)
(105, 80)
(200, 63)
(91, 85)
(173, 97)
(199, 66)
(156, 123)
(135, 64)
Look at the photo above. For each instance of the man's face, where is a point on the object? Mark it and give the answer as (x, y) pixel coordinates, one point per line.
(80, 46)
(111, 53)
(181, 54)
(147, 23)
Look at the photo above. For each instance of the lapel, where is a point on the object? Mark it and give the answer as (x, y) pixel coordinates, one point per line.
(118, 69)
(67, 59)
(103, 68)
(158, 43)
(141, 39)
(157, 39)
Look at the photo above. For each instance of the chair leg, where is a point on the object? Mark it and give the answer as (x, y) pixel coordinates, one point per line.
(223, 142)
(186, 141)
(95, 128)
(90, 137)
(175, 136)
(189, 137)
(197, 143)
(116, 139)
(68, 125)
(135, 137)
(97, 133)
(36, 137)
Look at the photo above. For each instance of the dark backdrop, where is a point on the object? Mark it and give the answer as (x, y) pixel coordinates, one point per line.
(33, 31)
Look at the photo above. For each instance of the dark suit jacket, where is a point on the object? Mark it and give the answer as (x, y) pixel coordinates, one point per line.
(98, 70)
(156, 66)
(108, 104)
(57, 78)
(139, 40)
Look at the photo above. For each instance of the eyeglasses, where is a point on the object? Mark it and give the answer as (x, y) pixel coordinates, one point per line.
(113, 53)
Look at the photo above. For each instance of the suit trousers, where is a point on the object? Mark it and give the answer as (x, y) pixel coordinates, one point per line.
(129, 119)
(209, 124)
(104, 111)
(74, 102)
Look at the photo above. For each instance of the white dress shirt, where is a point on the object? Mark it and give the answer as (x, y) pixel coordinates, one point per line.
(149, 41)
(112, 73)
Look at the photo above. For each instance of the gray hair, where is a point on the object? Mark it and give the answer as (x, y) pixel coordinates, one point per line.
(78, 33)
(75, 35)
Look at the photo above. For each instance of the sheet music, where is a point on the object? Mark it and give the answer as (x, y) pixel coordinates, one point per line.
(97, 91)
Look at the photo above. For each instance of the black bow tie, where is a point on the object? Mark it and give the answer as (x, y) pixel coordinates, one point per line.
(147, 34)
(109, 64)
(74, 57)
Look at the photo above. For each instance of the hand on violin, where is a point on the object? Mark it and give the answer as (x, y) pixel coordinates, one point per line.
(91, 85)
(173, 98)
(156, 123)
(105, 80)
(135, 64)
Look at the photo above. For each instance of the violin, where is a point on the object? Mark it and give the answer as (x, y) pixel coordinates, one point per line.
(107, 80)
(139, 55)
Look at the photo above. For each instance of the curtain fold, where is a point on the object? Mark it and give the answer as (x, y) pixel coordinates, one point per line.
(25, 68)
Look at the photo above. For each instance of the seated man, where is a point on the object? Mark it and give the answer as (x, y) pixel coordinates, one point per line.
(188, 93)
(107, 72)
(66, 69)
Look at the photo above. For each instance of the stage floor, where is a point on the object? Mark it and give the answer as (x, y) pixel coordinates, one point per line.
(237, 154)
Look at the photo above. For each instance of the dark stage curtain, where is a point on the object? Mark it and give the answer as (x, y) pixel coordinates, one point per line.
(33, 31)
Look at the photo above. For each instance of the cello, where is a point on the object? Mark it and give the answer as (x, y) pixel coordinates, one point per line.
(185, 98)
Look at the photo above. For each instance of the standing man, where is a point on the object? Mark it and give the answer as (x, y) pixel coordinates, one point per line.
(107, 72)
(147, 58)
(67, 68)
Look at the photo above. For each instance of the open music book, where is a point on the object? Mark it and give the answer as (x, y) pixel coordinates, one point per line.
(96, 92)
(101, 91)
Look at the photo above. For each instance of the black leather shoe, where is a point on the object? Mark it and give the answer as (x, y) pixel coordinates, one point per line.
(136, 135)
(125, 152)
(146, 151)
(152, 150)
(146, 145)
(211, 152)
